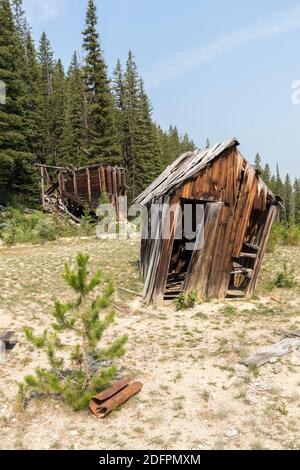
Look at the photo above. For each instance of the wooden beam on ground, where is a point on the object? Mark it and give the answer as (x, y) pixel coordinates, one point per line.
(276, 350)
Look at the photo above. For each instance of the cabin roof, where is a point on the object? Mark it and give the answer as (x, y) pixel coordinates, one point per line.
(183, 169)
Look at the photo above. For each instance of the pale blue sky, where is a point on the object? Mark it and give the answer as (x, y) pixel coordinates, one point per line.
(214, 68)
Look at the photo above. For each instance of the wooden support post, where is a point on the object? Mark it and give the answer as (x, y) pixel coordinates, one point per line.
(43, 186)
(114, 181)
(75, 184)
(263, 246)
(102, 181)
(61, 186)
(89, 186)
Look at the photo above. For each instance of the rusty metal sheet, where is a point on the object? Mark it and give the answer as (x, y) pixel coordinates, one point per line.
(102, 408)
(111, 391)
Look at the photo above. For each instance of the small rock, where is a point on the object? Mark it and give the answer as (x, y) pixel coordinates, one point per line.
(241, 371)
(73, 433)
(277, 369)
(261, 386)
(231, 433)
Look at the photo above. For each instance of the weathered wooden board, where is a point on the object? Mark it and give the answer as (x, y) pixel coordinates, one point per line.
(276, 350)
(201, 259)
(263, 246)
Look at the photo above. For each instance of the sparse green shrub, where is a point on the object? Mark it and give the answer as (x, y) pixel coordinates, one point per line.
(88, 369)
(284, 279)
(201, 316)
(33, 227)
(186, 300)
(283, 234)
(254, 370)
(38, 227)
(229, 311)
(87, 223)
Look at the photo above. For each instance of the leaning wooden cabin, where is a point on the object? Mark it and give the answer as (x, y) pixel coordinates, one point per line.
(238, 209)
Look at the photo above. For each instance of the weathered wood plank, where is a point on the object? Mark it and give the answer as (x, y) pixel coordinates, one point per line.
(263, 246)
(276, 350)
(201, 259)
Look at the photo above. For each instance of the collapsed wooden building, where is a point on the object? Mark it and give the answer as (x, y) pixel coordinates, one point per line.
(70, 190)
(238, 211)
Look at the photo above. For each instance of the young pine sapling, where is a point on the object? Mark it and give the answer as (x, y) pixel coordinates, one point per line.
(88, 369)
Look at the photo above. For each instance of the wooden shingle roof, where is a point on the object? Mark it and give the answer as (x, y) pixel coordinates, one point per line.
(184, 168)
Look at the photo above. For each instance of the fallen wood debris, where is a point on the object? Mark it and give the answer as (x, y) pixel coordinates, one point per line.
(291, 333)
(276, 350)
(121, 308)
(129, 291)
(105, 402)
(69, 191)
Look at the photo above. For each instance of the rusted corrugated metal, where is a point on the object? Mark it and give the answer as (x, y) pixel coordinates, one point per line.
(106, 402)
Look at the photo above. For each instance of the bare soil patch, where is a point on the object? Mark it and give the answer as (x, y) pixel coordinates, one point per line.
(196, 394)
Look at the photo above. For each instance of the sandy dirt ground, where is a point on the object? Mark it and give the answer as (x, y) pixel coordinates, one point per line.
(196, 393)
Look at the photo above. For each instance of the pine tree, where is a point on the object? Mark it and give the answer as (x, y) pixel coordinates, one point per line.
(289, 199)
(279, 183)
(186, 144)
(150, 151)
(86, 372)
(57, 111)
(31, 78)
(17, 173)
(258, 163)
(133, 158)
(73, 134)
(119, 98)
(118, 86)
(46, 63)
(101, 139)
(297, 200)
(266, 175)
(20, 22)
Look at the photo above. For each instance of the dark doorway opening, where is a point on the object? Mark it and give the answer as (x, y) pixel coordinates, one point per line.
(190, 217)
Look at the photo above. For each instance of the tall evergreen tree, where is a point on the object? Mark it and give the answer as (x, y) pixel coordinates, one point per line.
(57, 111)
(46, 63)
(258, 162)
(33, 109)
(149, 148)
(266, 175)
(119, 98)
(289, 199)
(297, 200)
(20, 21)
(73, 134)
(133, 157)
(101, 138)
(187, 144)
(17, 173)
(279, 184)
